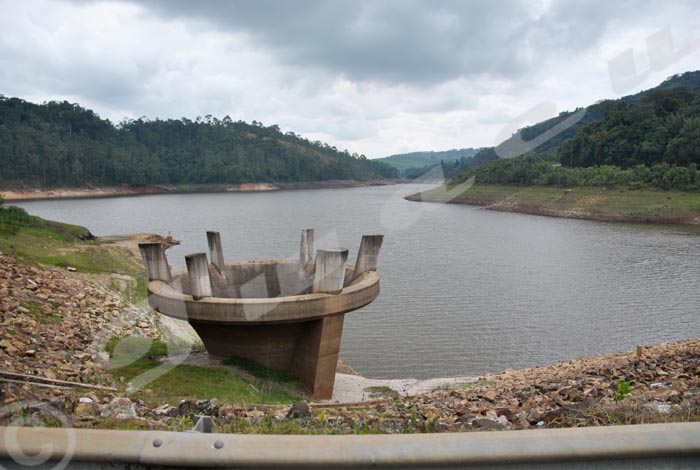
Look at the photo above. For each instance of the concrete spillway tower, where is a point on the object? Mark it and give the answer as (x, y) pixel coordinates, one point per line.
(286, 315)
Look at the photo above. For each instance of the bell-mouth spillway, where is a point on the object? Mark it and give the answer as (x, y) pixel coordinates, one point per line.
(285, 314)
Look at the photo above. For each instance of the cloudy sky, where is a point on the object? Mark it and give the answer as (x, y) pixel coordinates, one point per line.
(376, 77)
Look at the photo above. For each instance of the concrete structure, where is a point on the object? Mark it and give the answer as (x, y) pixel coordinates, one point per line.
(286, 315)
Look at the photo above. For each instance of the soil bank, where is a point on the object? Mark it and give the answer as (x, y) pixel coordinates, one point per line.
(126, 190)
(610, 205)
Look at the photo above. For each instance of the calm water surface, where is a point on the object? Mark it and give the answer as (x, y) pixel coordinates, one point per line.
(464, 290)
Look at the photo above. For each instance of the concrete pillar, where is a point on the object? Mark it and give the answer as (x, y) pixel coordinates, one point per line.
(330, 271)
(306, 248)
(368, 254)
(156, 262)
(316, 355)
(216, 252)
(198, 271)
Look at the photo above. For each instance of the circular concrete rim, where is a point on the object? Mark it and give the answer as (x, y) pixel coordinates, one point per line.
(169, 301)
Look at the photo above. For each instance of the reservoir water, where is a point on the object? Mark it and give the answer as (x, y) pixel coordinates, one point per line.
(465, 291)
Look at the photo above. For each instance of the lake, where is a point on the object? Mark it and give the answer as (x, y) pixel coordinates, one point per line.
(465, 291)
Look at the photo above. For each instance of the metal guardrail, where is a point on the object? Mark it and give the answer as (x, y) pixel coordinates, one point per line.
(675, 445)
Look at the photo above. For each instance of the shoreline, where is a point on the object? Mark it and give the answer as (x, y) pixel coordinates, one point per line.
(20, 195)
(583, 203)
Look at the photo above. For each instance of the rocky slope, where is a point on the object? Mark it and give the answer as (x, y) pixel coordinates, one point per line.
(54, 324)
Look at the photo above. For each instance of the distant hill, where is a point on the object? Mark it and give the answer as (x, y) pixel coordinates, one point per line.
(62, 144)
(601, 111)
(405, 161)
(650, 139)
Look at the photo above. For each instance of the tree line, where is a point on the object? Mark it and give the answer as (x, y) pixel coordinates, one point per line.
(62, 144)
(545, 170)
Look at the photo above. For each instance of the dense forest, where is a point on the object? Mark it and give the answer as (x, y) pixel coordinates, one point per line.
(651, 139)
(663, 126)
(545, 170)
(62, 144)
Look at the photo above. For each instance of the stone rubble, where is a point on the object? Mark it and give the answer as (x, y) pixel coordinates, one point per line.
(55, 324)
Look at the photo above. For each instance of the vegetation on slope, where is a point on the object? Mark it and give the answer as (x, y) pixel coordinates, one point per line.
(663, 126)
(414, 164)
(592, 203)
(544, 170)
(648, 140)
(62, 144)
(33, 240)
(189, 382)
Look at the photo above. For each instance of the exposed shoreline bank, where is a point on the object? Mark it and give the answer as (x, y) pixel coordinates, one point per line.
(17, 195)
(599, 204)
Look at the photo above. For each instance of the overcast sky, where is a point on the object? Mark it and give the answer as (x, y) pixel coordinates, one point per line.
(375, 77)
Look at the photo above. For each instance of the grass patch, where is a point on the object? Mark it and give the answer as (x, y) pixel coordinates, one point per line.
(125, 351)
(623, 413)
(36, 310)
(632, 205)
(269, 425)
(34, 240)
(187, 382)
(133, 356)
(176, 424)
(260, 371)
(466, 385)
(382, 391)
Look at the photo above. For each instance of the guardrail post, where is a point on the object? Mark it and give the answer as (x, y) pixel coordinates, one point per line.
(156, 262)
(198, 271)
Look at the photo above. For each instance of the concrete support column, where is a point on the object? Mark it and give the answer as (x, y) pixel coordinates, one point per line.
(316, 355)
(306, 248)
(198, 272)
(216, 252)
(330, 271)
(156, 262)
(368, 254)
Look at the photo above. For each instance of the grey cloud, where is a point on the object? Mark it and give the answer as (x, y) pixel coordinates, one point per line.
(407, 41)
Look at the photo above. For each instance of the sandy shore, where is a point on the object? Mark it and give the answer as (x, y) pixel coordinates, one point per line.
(123, 191)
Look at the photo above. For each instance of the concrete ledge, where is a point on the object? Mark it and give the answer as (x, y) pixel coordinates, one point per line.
(675, 444)
(169, 301)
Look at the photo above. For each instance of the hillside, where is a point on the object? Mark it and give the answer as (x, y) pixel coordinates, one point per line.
(640, 127)
(647, 140)
(403, 161)
(62, 144)
(414, 164)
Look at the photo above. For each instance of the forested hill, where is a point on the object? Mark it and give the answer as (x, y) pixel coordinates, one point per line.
(404, 161)
(648, 139)
(658, 128)
(62, 144)
(653, 126)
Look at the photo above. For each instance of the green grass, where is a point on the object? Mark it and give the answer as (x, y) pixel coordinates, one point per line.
(631, 205)
(466, 385)
(260, 371)
(37, 311)
(187, 382)
(35, 240)
(382, 391)
(133, 356)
